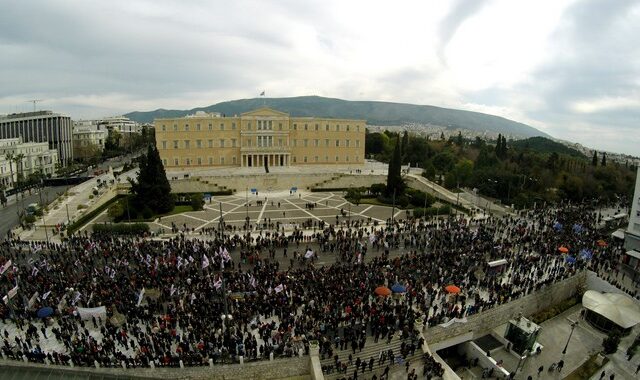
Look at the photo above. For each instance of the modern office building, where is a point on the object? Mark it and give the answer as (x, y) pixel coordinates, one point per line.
(258, 137)
(22, 159)
(631, 258)
(41, 126)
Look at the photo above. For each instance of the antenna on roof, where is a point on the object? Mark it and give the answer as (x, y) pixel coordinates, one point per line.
(34, 101)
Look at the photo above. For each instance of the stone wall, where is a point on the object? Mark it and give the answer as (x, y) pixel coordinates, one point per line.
(596, 283)
(261, 182)
(480, 324)
(294, 368)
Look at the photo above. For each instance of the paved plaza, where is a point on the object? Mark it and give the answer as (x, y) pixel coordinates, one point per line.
(289, 210)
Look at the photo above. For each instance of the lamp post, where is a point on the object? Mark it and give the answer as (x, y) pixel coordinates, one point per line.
(573, 326)
(246, 204)
(521, 361)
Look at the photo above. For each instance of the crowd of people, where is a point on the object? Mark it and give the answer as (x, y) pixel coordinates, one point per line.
(192, 299)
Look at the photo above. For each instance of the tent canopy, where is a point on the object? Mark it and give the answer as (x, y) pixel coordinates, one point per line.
(620, 309)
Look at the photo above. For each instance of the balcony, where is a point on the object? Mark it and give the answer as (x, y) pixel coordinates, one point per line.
(265, 149)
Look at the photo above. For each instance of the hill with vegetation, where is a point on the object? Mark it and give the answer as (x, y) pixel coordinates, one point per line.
(376, 113)
(545, 145)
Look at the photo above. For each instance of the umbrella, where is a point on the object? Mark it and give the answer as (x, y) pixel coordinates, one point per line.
(570, 259)
(398, 288)
(45, 312)
(563, 249)
(586, 254)
(557, 226)
(382, 291)
(602, 243)
(452, 289)
(577, 228)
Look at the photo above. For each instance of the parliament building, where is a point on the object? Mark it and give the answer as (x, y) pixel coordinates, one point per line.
(262, 137)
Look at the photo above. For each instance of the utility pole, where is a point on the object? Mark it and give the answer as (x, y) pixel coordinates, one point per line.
(246, 204)
(44, 225)
(34, 101)
(221, 227)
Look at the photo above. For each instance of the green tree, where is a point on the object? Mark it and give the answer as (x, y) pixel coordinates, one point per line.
(459, 140)
(405, 144)
(197, 201)
(394, 178)
(594, 160)
(152, 189)
(604, 159)
(9, 157)
(116, 211)
(429, 171)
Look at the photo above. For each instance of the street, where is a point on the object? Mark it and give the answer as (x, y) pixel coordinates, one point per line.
(9, 215)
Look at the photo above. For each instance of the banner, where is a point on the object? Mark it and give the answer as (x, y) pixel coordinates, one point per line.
(6, 266)
(87, 313)
(452, 321)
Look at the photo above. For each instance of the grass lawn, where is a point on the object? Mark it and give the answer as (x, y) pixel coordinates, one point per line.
(176, 210)
(586, 370)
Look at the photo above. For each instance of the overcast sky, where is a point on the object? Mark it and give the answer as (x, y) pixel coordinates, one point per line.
(568, 67)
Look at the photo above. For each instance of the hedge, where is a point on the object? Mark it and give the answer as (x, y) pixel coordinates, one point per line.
(121, 229)
(73, 227)
(552, 311)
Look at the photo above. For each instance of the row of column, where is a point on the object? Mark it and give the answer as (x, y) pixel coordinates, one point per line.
(258, 160)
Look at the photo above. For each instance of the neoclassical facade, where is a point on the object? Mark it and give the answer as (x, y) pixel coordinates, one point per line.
(256, 137)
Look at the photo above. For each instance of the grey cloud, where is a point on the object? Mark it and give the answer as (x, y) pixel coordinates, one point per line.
(461, 11)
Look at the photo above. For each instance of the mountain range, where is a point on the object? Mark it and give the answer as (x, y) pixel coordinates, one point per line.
(374, 112)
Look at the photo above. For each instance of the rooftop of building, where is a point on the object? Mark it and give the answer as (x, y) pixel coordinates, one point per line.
(26, 115)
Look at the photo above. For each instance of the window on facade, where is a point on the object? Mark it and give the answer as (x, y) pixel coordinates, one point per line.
(186, 127)
(357, 128)
(164, 128)
(326, 142)
(259, 124)
(280, 126)
(221, 143)
(316, 158)
(347, 127)
(198, 144)
(210, 160)
(233, 126)
(175, 162)
(317, 126)
(337, 143)
(326, 158)
(199, 160)
(270, 125)
(337, 128)
(327, 127)
(186, 144)
(210, 127)
(347, 157)
(221, 160)
(198, 127)
(306, 142)
(221, 126)
(294, 159)
(233, 143)
(295, 142)
(164, 162)
(210, 143)
(305, 159)
(316, 143)
(337, 158)
(249, 125)
(306, 127)
(164, 145)
(279, 142)
(357, 143)
(248, 142)
(234, 160)
(175, 127)
(295, 127)
(175, 144)
(347, 141)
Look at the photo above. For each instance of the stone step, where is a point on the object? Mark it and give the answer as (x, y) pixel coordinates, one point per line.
(370, 349)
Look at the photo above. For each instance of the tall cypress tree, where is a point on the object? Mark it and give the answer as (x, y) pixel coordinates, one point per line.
(499, 146)
(152, 188)
(405, 144)
(394, 179)
(604, 159)
(594, 160)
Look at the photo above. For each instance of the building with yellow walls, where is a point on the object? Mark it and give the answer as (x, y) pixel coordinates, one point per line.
(248, 140)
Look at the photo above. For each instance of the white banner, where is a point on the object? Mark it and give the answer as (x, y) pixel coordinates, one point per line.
(6, 266)
(454, 320)
(87, 313)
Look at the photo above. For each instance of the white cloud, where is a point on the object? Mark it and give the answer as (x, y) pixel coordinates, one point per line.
(551, 64)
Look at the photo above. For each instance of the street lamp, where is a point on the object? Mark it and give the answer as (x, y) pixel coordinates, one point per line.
(524, 357)
(573, 326)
